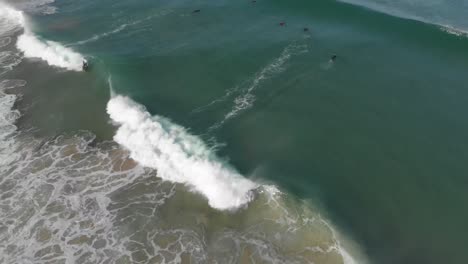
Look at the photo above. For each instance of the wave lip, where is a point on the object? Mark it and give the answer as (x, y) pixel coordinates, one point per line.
(156, 142)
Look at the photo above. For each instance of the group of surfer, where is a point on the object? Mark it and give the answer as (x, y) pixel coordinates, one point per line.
(282, 24)
(333, 58)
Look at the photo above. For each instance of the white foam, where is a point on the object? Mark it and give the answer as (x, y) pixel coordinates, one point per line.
(178, 156)
(54, 53)
(454, 31)
(11, 20)
(246, 98)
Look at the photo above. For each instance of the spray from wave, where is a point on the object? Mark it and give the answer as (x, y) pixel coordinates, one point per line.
(158, 143)
(54, 53)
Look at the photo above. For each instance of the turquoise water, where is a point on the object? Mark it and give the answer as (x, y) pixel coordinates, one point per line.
(374, 142)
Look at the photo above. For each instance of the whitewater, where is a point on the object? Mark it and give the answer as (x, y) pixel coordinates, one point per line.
(33, 47)
(158, 143)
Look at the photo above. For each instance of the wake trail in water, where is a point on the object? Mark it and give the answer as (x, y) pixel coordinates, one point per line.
(105, 34)
(246, 97)
(156, 142)
(118, 29)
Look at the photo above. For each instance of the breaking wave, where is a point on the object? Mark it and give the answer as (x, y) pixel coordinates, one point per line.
(54, 53)
(454, 31)
(156, 142)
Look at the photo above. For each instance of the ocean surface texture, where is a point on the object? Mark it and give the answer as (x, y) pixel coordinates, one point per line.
(222, 131)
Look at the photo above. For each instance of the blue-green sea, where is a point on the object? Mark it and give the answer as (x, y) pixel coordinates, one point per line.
(205, 131)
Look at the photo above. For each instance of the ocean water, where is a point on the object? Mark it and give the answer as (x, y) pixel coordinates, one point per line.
(226, 136)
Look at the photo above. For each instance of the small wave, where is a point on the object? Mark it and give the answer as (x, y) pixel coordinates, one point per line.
(158, 143)
(103, 35)
(454, 31)
(8, 60)
(8, 117)
(393, 10)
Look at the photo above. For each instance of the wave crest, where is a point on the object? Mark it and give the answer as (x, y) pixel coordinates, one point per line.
(54, 53)
(158, 143)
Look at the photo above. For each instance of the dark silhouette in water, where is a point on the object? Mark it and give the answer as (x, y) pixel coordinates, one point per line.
(85, 66)
(196, 11)
(306, 29)
(333, 58)
(282, 24)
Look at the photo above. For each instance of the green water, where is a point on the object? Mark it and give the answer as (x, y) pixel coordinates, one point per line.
(376, 140)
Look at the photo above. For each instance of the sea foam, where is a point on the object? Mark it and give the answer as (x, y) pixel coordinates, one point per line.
(54, 53)
(11, 20)
(180, 157)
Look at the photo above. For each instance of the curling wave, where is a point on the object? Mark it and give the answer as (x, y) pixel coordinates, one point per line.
(156, 142)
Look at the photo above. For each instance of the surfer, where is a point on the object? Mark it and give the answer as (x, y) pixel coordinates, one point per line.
(333, 58)
(196, 11)
(85, 66)
(306, 29)
(282, 24)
